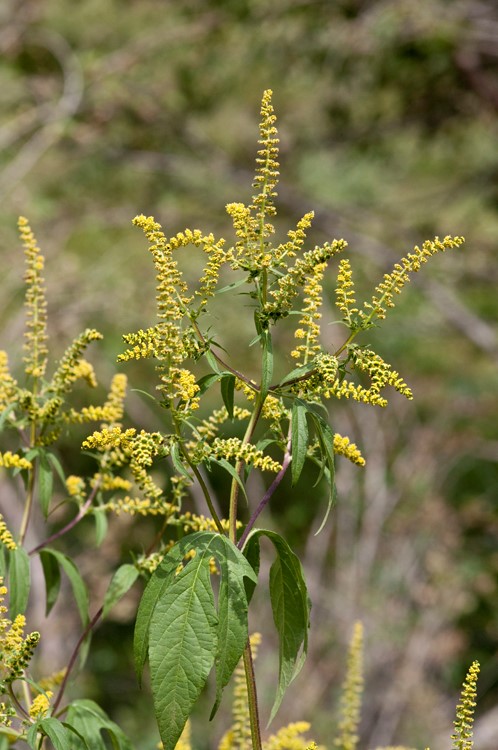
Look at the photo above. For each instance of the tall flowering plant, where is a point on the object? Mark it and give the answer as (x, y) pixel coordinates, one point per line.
(181, 629)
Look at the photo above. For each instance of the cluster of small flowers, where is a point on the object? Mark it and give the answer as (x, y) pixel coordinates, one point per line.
(295, 242)
(36, 304)
(234, 448)
(11, 460)
(40, 705)
(16, 650)
(379, 371)
(345, 296)
(8, 385)
(394, 282)
(69, 367)
(6, 537)
(344, 447)
(311, 314)
(266, 177)
(462, 736)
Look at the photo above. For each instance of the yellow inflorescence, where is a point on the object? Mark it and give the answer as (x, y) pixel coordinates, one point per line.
(36, 304)
(393, 282)
(380, 372)
(289, 737)
(12, 461)
(234, 448)
(15, 649)
(311, 315)
(69, 367)
(8, 386)
(6, 537)
(345, 296)
(344, 447)
(346, 389)
(352, 690)
(296, 240)
(462, 736)
(41, 705)
(266, 177)
(85, 371)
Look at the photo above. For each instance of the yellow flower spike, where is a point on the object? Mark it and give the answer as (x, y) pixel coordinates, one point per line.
(289, 737)
(380, 372)
(144, 344)
(352, 690)
(36, 304)
(6, 537)
(346, 389)
(313, 301)
(266, 177)
(297, 236)
(85, 371)
(344, 447)
(8, 385)
(234, 448)
(69, 367)
(394, 282)
(345, 296)
(462, 736)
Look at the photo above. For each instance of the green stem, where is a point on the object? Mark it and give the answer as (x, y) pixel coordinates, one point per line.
(234, 490)
(252, 698)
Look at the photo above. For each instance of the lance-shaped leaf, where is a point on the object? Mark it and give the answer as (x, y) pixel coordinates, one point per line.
(77, 584)
(122, 581)
(291, 609)
(19, 581)
(299, 430)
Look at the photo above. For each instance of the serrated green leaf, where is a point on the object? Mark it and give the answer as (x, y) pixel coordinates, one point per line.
(19, 581)
(267, 363)
(52, 575)
(177, 616)
(227, 392)
(291, 611)
(45, 482)
(87, 721)
(299, 431)
(56, 732)
(80, 592)
(182, 646)
(122, 581)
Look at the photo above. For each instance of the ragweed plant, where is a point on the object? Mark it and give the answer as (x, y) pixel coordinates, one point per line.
(182, 628)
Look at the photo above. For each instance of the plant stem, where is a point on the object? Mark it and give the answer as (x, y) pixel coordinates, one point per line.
(252, 698)
(234, 490)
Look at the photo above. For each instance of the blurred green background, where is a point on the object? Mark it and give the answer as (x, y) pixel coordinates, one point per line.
(388, 118)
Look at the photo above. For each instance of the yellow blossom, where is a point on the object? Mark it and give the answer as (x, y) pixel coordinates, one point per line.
(352, 689)
(6, 537)
(344, 447)
(36, 304)
(462, 736)
(12, 461)
(40, 705)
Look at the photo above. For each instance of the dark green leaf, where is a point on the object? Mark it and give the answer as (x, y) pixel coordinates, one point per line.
(31, 735)
(291, 610)
(77, 584)
(299, 439)
(101, 525)
(207, 381)
(176, 457)
(121, 583)
(51, 572)
(298, 372)
(227, 392)
(87, 721)
(45, 482)
(19, 581)
(57, 466)
(212, 362)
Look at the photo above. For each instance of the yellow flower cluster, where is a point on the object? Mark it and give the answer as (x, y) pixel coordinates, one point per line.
(35, 303)
(266, 177)
(394, 282)
(234, 448)
(344, 447)
(346, 389)
(85, 371)
(8, 386)
(192, 522)
(110, 438)
(110, 412)
(289, 737)
(69, 367)
(136, 506)
(53, 680)
(380, 372)
(15, 649)
(6, 537)
(209, 279)
(75, 486)
(184, 388)
(462, 736)
(352, 689)
(289, 284)
(345, 296)
(110, 483)
(313, 301)
(12, 461)
(40, 705)
(209, 427)
(295, 242)
(144, 344)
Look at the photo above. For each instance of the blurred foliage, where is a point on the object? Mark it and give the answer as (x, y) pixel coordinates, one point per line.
(388, 115)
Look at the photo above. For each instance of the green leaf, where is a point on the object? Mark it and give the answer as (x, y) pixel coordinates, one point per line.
(291, 611)
(231, 470)
(325, 437)
(212, 362)
(45, 482)
(267, 364)
(57, 466)
(19, 581)
(56, 732)
(122, 581)
(52, 575)
(177, 617)
(77, 584)
(101, 526)
(31, 735)
(298, 372)
(88, 721)
(227, 392)
(299, 428)
(176, 457)
(207, 381)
